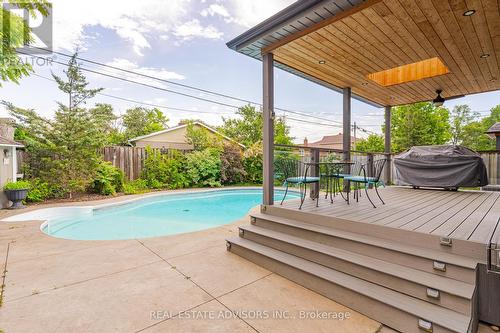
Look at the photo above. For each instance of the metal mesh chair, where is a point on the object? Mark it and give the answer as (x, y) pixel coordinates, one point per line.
(362, 178)
(295, 172)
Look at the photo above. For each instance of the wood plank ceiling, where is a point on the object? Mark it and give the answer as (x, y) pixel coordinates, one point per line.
(392, 33)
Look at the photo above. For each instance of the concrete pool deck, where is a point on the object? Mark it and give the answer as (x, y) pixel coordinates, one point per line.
(179, 283)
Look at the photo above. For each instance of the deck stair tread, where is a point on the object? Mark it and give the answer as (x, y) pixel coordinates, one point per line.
(440, 316)
(448, 258)
(450, 286)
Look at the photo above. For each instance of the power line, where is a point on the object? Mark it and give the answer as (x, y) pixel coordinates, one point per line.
(186, 110)
(151, 77)
(139, 102)
(191, 96)
(197, 89)
(143, 84)
(312, 122)
(186, 86)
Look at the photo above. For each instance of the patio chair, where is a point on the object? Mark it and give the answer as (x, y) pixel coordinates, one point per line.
(341, 171)
(362, 178)
(294, 172)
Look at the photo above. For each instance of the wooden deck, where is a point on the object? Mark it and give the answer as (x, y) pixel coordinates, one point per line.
(418, 262)
(465, 215)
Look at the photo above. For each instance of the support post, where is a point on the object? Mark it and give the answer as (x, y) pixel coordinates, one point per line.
(268, 129)
(314, 173)
(346, 120)
(387, 145)
(346, 137)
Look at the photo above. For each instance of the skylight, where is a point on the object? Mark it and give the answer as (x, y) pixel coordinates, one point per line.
(410, 72)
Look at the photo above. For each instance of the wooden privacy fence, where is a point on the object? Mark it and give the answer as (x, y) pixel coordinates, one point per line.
(131, 159)
(128, 159)
(492, 161)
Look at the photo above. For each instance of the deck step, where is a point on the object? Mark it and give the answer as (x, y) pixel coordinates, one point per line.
(399, 311)
(428, 260)
(426, 240)
(450, 293)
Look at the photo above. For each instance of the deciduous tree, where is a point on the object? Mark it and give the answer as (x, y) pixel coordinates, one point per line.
(474, 133)
(140, 121)
(419, 124)
(461, 116)
(373, 143)
(247, 128)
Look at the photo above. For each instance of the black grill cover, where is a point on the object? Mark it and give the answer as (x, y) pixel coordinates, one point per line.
(446, 166)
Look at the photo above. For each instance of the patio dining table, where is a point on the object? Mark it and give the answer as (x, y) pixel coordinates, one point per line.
(332, 177)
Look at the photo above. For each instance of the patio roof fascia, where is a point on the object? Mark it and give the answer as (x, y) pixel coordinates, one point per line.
(294, 11)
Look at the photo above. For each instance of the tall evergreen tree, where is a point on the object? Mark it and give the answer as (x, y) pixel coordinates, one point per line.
(64, 150)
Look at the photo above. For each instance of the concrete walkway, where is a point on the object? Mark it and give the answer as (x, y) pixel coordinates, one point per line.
(180, 283)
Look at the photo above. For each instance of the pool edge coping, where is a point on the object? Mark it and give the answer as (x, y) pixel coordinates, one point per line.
(15, 217)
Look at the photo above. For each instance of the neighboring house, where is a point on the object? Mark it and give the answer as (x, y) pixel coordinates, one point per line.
(330, 142)
(175, 138)
(8, 156)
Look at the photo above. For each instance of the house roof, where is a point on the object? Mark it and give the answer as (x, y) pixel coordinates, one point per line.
(10, 143)
(494, 129)
(183, 126)
(340, 43)
(330, 140)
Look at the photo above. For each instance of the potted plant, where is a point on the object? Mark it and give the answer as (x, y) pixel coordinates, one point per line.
(16, 192)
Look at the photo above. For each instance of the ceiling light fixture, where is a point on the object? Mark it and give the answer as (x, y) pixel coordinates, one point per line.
(364, 83)
(469, 12)
(439, 100)
(322, 62)
(484, 55)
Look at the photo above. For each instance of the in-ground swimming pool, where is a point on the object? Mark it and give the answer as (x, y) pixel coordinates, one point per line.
(155, 215)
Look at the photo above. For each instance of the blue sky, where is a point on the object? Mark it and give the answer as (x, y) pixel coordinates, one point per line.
(184, 41)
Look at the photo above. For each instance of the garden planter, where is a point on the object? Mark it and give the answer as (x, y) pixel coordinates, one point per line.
(17, 197)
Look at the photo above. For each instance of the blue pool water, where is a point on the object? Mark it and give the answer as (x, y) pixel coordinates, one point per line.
(159, 215)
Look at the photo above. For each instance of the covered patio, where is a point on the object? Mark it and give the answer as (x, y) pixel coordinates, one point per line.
(385, 53)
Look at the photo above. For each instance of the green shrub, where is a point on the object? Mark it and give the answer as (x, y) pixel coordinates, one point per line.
(39, 191)
(163, 171)
(20, 185)
(232, 170)
(203, 168)
(135, 187)
(252, 163)
(108, 179)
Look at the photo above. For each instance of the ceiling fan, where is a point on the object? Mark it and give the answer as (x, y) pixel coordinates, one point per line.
(439, 100)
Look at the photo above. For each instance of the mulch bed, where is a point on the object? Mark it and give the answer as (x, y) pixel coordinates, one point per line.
(77, 197)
